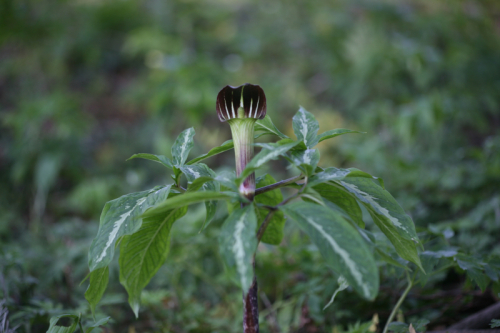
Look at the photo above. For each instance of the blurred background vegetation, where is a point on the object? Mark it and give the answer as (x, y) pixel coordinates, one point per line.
(84, 84)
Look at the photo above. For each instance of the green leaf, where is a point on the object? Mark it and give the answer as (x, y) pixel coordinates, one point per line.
(269, 152)
(198, 183)
(266, 125)
(305, 127)
(186, 199)
(227, 179)
(144, 252)
(98, 283)
(340, 244)
(182, 146)
(121, 217)
(299, 146)
(474, 270)
(381, 203)
(274, 230)
(305, 160)
(228, 145)
(398, 327)
(492, 268)
(495, 323)
(53, 328)
(97, 324)
(388, 259)
(420, 324)
(238, 243)
(157, 158)
(196, 171)
(343, 200)
(312, 195)
(333, 133)
(430, 259)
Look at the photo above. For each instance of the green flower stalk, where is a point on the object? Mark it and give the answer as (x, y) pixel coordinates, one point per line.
(241, 107)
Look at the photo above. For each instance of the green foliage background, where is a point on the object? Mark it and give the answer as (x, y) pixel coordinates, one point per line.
(85, 84)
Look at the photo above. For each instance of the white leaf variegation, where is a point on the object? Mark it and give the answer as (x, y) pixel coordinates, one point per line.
(182, 146)
(340, 244)
(238, 243)
(381, 203)
(121, 217)
(306, 127)
(305, 160)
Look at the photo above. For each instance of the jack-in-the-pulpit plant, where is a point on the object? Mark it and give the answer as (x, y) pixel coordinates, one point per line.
(326, 206)
(241, 107)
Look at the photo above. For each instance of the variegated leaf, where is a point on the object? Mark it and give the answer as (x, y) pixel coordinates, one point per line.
(144, 252)
(238, 243)
(332, 173)
(269, 152)
(121, 217)
(338, 193)
(157, 158)
(305, 160)
(197, 171)
(306, 127)
(343, 200)
(182, 146)
(381, 203)
(327, 175)
(340, 245)
(405, 248)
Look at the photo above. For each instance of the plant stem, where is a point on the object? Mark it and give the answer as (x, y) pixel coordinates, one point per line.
(400, 301)
(242, 130)
(278, 184)
(251, 308)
